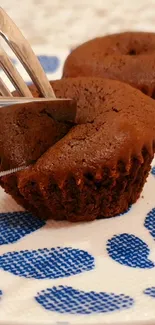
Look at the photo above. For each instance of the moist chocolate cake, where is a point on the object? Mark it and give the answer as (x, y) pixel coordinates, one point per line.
(28, 130)
(99, 167)
(128, 57)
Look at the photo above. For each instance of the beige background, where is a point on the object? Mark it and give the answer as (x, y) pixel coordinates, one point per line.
(64, 23)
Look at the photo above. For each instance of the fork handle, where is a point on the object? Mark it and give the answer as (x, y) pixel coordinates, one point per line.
(20, 46)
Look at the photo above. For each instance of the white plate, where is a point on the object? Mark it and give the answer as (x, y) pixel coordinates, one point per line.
(101, 272)
(67, 272)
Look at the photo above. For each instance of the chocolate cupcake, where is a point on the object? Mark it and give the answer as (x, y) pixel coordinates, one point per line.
(128, 57)
(99, 167)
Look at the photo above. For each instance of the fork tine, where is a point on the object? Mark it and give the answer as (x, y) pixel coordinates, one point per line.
(20, 46)
(4, 91)
(13, 74)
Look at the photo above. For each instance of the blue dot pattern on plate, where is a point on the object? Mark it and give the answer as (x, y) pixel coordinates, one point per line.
(0, 294)
(16, 225)
(29, 83)
(153, 171)
(49, 63)
(129, 250)
(14, 61)
(63, 299)
(150, 292)
(150, 222)
(47, 263)
(122, 214)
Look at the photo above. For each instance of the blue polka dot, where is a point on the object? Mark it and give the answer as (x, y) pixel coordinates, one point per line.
(150, 222)
(129, 250)
(153, 171)
(14, 61)
(122, 214)
(63, 299)
(49, 63)
(15, 225)
(29, 83)
(150, 292)
(0, 294)
(47, 263)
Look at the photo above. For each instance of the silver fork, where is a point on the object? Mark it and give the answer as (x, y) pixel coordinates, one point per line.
(16, 41)
(20, 46)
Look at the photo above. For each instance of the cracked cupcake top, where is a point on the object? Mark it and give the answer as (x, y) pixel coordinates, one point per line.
(114, 122)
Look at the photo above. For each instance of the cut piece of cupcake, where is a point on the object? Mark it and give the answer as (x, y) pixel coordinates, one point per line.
(26, 132)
